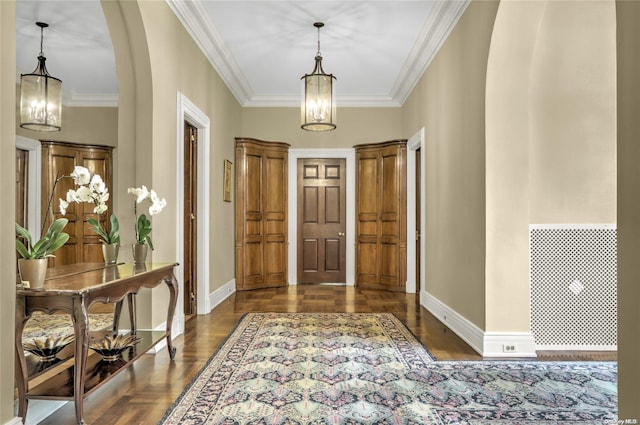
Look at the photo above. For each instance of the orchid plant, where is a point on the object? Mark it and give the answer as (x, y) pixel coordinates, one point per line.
(143, 224)
(90, 189)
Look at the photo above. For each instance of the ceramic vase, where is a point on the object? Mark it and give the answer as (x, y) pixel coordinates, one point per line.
(110, 253)
(33, 272)
(140, 253)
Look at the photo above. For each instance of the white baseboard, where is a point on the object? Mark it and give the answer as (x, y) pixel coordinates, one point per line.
(38, 411)
(487, 344)
(221, 294)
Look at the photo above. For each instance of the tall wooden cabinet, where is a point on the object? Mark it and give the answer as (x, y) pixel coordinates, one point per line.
(381, 215)
(59, 159)
(261, 214)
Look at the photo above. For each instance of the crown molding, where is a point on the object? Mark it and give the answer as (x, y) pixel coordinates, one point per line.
(89, 100)
(434, 32)
(195, 20)
(345, 101)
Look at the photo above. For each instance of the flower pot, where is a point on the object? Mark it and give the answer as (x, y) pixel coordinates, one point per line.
(33, 272)
(110, 253)
(140, 253)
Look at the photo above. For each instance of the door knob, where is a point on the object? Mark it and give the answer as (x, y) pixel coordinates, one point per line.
(340, 233)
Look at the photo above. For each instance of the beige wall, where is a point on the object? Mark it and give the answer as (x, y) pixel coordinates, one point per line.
(628, 34)
(550, 136)
(354, 126)
(449, 103)
(165, 60)
(7, 215)
(87, 125)
(572, 103)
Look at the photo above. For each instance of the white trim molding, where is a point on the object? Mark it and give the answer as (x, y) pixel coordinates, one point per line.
(470, 333)
(222, 293)
(350, 156)
(487, 344)
(413, 144)
(35, 182)
(188, 111)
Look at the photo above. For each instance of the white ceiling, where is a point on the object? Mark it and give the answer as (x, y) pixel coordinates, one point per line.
(376, 49)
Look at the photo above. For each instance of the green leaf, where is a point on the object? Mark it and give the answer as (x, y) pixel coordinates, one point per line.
(97, 228)
(57, 243)
(22, 250)
(24, 233)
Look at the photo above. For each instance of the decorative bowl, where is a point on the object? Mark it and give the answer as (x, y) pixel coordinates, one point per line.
(47, 348)
(111, 347)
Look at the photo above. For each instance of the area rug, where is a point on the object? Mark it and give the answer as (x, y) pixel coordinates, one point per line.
(334, 368)
(42, 325)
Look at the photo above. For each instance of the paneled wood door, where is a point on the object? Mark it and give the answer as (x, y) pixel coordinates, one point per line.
(261, 214)
(321, 221)
(58, 159)
(381, 209)
(190, 229)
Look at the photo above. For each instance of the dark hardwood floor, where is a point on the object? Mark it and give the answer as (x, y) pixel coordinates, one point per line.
(142, 393)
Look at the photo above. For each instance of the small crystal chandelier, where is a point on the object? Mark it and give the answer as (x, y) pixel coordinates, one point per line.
(40, 96)
(318, 109)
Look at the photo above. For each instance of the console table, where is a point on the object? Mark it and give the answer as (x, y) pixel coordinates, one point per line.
(73, 289)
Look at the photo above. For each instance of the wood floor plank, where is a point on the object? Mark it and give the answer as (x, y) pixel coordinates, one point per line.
(142, 393)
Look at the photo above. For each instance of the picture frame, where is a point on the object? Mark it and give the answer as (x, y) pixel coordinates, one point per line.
(226, 185)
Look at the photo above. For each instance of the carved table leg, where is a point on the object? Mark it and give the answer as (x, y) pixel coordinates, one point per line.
(81, 330)
(22, 378)
(116, 316)
(172, 283)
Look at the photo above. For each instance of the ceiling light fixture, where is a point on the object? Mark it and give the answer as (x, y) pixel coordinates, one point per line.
(318, 109)
(40, 96)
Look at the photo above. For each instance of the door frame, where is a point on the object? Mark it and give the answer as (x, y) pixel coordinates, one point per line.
(349, 155)
(188, 111)
(415, 142)
(35, 183)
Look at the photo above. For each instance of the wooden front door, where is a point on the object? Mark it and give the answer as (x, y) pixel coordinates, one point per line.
(190, 223)
(321, 221)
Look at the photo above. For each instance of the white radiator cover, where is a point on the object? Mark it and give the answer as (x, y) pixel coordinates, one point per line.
(573, 281)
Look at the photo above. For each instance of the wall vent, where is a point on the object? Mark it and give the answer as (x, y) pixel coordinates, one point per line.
(573, 280)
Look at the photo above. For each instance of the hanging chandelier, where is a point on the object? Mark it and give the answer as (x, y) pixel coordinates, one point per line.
(40, 96)
(318, 109)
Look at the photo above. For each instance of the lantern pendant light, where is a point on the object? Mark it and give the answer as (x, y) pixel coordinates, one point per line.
(318, 109)
(40, 96)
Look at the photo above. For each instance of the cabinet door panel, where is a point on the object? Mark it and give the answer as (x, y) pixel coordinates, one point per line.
(381, 212)
(59, 159)
(261, 214)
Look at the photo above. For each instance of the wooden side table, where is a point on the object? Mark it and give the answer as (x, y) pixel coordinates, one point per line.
(73, 289)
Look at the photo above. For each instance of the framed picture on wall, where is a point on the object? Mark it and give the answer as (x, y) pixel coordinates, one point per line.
(226, 188)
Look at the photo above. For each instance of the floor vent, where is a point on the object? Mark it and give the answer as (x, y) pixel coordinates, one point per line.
(573, 287)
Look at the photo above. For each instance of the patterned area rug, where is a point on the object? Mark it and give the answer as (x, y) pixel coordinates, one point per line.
(313, 368)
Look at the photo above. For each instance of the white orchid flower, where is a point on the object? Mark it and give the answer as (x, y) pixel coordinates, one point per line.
(140, 193)
(97, 184)
(157, 204)
(84, 194)
(100, 208)
(81, 175)
(63, 206)
(71, 196)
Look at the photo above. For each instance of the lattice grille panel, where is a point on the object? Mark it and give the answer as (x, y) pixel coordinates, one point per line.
(573, 286)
